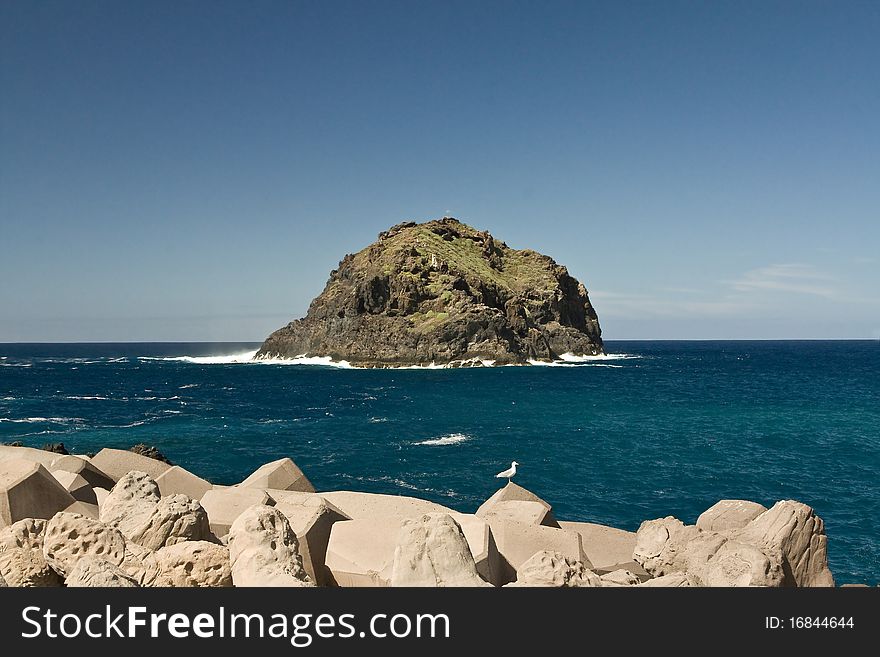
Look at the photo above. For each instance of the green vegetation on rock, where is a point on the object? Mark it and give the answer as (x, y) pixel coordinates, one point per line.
(443, 292)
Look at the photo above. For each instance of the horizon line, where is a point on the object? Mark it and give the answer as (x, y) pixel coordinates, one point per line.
(100, 342)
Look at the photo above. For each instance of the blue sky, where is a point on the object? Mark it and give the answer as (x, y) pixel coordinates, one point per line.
(194, 170)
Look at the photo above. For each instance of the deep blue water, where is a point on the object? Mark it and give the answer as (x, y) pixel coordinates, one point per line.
(670, 429)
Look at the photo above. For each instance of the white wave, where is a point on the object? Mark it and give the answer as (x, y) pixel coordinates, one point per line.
(228, 359)
(45, 432)
(37, 420)
(250, 357)
(571, 358)
(8, 398)
(83, 397)
(188, 385)
(377, 420)
(449, 439)
(133, 424)
(15, 365)
(302, 359)
(466, 363)
(68, 361)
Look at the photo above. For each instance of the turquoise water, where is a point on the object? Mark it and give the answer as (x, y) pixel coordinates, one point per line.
(665, 428)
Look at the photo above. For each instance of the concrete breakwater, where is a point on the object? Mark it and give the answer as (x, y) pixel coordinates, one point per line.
(124, 519)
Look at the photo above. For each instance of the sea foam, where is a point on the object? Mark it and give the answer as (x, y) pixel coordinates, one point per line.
(251, 358)
(571, 360)
(448, 439)
(228, 359)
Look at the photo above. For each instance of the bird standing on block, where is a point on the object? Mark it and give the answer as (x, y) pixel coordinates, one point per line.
(509, 472)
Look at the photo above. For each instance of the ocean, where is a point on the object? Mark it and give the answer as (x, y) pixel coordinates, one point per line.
(652, 429)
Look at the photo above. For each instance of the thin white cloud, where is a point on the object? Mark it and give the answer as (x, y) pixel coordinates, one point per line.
(763, 291)
(681, 290)
(631, 306)
(792, 278)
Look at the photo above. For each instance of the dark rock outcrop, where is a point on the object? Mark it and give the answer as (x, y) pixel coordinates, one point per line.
(442, 292)
(150, 451)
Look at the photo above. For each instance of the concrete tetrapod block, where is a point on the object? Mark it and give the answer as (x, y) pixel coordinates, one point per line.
(177, 480)
(311, 518)
(515, 493)
(632, 567)
(533, 513)
(360, 553)
(77, 486)
(81, 466)
(224, 505)
(282, 474)
(605, 546)
(84, 509)
(40, 456)
(28, 490)
(118, 462)
(518, 541)
(364, 506)
(52, 461)
(488, 560)
(101, 494)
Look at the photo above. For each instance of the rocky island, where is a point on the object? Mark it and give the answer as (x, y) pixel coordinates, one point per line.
(443, 293)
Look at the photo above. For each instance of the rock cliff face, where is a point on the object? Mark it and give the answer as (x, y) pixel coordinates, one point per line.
(442, 292)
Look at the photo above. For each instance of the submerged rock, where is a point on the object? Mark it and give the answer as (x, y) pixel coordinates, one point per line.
(150, 451)
(442, 292)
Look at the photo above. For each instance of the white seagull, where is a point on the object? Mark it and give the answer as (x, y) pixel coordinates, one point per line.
(509, 472)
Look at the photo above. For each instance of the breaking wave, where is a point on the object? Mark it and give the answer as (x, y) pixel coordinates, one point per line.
(570, 360)
(251, 358)
(42, 420)
(228, 359)
(448, 439)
